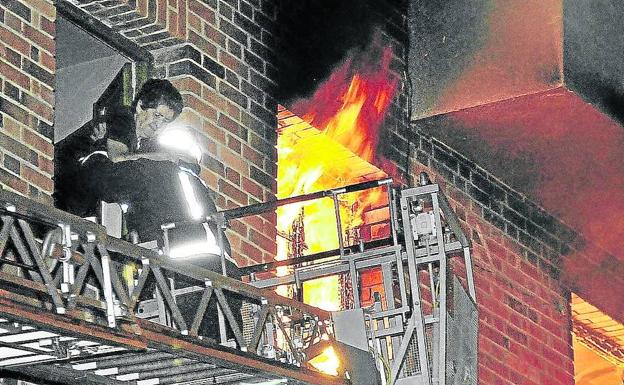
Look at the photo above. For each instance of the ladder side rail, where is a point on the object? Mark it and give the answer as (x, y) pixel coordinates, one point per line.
(417, 314)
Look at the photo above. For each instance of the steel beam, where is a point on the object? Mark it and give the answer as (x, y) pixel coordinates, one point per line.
(160, 339)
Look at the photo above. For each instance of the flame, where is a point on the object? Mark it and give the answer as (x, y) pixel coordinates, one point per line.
(348, 110)
(326, 362)
(350, 106)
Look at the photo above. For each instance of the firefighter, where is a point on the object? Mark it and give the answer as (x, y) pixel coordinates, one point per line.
(130, 165)
(126, 134)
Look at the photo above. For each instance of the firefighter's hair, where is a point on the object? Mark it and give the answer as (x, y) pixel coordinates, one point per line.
(158, 91)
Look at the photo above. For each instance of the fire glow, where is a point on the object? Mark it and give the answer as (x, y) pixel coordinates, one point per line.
(579, 177)
(347, 110)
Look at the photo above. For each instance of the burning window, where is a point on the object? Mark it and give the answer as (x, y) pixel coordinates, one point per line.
(330, 142)
(598, 342)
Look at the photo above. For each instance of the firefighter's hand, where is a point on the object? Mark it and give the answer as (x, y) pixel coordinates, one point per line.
(99, 132)
(180, 157)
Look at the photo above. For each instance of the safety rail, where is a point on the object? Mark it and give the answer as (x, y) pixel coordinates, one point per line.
(62, 271)
(421, 318)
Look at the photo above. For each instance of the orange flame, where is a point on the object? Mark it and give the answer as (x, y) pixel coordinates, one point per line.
(348, 110)
(350, 106)
(327, 362)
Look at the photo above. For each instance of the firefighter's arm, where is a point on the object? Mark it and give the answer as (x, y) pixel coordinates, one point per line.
(119, 152)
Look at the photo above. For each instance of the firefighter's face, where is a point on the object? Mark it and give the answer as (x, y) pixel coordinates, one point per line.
(150, 121)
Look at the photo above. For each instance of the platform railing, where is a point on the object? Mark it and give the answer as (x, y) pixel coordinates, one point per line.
(54, 262)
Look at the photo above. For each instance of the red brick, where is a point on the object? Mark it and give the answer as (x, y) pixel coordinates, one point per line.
(15, 75)
(210, 178)
(46, 165)
(253, 156)
(161, 12)
(214, 35)
(194, 22)
(38, 179)
(254, 189)
(13, 22)
(182, 16)
(233, 110)
(268, 196)
(11, 128)
(48, 26)
(203, 44)
(235, 241)
(39, 143)
(239, 227)
(262, 241)
(251, 251)
(187, 84)
(201, 10)
(43, 7)
(234, 64)
(234, 144)
(270, 217)
(229, 124)
(233, 176)
(43, 91)
(255, 222)
(40, 39)
(221, 103)
(173, 23)
(38, 107)
(47, 61)
(13, 182)
(268, 257)
(232, 192)
(200, 106)
(214, 132)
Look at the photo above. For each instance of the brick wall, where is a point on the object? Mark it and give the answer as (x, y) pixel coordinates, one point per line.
(524, 314)
(27, 68)
(234, 108)
(219, 56)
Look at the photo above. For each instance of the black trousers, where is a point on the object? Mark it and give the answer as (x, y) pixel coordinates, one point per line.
(151, 189)
(155, 196)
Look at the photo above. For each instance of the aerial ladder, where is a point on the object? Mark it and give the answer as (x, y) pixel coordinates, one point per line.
(78, 305)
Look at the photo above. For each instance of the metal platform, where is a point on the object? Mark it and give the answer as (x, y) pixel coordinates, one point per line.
(71, 312)
(422, 328)
(78, 306)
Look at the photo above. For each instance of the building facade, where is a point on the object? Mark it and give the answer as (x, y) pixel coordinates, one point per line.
(457, 66)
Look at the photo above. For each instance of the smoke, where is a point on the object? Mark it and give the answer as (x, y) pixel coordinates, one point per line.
(314, 35)
(580, 178)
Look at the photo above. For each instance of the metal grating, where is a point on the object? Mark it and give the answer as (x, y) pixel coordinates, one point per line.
(53, 328)
(28, 349)
(462, 329)
(429, 341)
(247, 314)
(411, 365)
(24, 344)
